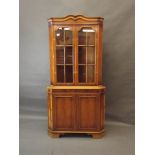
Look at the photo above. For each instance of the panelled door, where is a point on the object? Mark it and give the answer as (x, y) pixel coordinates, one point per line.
(63, 111)
(88, 112)
(76, 111)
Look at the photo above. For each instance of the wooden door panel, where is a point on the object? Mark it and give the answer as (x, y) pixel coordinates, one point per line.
(88, 112)
(63, 112)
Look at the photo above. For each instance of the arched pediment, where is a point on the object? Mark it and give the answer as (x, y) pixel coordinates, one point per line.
(74, 18)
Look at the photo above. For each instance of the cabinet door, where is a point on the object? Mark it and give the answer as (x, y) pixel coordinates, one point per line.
(87, 54)
(64, 55)
(88, 112)
(63, 112)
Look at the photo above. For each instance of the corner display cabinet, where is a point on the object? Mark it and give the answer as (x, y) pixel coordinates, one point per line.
(76, 96)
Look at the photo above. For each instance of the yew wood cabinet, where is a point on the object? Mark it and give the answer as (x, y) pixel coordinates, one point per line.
(76, 96)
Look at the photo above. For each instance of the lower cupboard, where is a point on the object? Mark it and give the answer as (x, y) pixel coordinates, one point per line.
(75, 110)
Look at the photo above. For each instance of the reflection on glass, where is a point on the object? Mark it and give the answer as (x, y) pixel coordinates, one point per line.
(91, 55)
(60, 74)
(68, 55)
(82, 38)
(90, 73)
(89, 29)
(82, 55)
(60, 36)
(64, 36)
(68, 37)
(82, 74)
(91, 38)
(86, 36)
(69, 73)
(59, 55)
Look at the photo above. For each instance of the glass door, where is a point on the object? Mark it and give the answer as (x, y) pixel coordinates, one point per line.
(86, 55)
(64, 55)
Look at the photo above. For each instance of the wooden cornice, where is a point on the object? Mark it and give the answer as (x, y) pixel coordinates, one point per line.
(75, 18)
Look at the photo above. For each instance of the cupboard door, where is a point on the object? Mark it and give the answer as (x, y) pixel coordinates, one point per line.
(88, 112)
(87, 38)
(63, 112)
(64, 51)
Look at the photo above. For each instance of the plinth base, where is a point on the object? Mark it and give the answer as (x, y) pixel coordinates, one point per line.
(57, 134)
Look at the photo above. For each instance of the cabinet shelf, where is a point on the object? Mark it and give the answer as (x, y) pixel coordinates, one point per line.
(64, 64)
(86, 45)
(64, 45)
(86, 64)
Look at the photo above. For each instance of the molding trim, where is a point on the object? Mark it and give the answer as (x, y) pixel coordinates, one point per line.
(75, 18)
(83, 131)
(76, 87)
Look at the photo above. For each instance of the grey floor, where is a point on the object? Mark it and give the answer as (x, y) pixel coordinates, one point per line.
(34, 140)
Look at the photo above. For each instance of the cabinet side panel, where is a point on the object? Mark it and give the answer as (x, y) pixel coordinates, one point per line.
(51, 52)
(50, 110)
(102, 104)
(100, 58)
